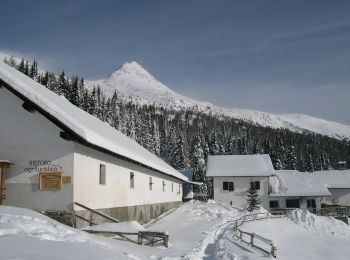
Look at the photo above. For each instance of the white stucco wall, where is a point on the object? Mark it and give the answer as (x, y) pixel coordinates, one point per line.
(238, 197)
(25, 137)
(117, 192)
(340, 195)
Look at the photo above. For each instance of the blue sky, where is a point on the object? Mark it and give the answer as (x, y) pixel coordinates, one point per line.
(275, 56)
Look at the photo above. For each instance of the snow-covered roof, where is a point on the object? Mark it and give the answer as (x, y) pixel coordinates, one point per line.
(87, 127)
(239, 165)
(294, 183)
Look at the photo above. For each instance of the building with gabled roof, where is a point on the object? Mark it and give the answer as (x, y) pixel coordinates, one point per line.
(64, 155)
(310, 190)
(234, 174)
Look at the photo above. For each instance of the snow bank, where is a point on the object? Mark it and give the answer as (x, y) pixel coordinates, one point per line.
(25, 234)
(24, 222)
(323, 226)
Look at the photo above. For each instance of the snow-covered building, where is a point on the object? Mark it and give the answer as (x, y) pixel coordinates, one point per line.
(64, 155)
(234, 174)
(289, 189)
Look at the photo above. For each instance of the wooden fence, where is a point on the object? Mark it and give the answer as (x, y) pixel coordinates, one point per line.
(326, 211)
(255, 240)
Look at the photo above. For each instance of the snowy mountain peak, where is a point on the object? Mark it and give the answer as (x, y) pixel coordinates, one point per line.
(131, 69)
(134, 83)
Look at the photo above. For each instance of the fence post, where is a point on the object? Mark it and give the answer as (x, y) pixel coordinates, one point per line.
(91, 218)
(273, 251)
(252, 239)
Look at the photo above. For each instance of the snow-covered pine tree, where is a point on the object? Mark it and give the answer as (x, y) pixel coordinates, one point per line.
(74, 96)
(155, 135)
(179, 159)
(33, 71)
(310, 164)
(214, 148)
(252, 199)
(326, 162)
(21, 66)
(291, 158)
(26, 68)
(198, 161)
(242, 148)
(63, 87)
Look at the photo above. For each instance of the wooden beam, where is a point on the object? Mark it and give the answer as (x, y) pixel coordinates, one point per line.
(97, 212)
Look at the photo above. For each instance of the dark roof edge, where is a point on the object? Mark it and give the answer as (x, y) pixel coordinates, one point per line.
(78, 138)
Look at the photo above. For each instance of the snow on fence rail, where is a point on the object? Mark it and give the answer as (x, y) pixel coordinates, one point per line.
(255, 240)
(327, 211)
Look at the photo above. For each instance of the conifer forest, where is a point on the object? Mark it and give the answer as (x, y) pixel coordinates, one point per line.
(185, 137)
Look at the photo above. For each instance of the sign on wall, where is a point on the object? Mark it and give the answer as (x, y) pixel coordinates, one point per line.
(66, 180)
(50, 181)
(42, 166)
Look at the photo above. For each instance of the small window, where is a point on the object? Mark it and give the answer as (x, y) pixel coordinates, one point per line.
(255, 185)
(311, 203)
(228, 185)
(132, 180)
(102, 180)
(274, 204)
(172, 187)
(163, 185)
(150, 183)
(292, 203)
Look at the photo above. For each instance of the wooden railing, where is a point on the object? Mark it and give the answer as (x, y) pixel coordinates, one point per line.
(327, 211)
(91, 211)
(255, 240)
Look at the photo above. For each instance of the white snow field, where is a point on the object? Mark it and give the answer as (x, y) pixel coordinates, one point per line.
(134, 83)
(197, 230)
(305, 236)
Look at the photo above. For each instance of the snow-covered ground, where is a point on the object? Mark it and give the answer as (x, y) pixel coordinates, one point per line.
(305, 236)
(197, 231)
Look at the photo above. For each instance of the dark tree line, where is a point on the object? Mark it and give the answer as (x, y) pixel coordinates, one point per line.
(184, 138)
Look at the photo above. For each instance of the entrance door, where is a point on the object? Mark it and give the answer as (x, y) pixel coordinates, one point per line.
(311, 204)
(292, 203)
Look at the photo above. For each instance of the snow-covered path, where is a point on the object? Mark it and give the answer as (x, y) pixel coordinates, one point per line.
(197, 231)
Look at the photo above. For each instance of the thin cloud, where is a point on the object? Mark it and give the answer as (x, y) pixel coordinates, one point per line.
(266, 43)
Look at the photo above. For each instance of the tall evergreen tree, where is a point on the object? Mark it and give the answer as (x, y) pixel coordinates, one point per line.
(198, 161)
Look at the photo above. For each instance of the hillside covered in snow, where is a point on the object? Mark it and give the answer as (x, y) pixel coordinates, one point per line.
(134, 83)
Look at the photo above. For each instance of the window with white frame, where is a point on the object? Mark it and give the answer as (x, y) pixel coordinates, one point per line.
(274, 204)
(228, 185)
(255, 185)
(102, 178)
(164, 186)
